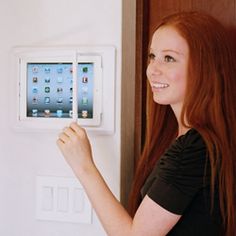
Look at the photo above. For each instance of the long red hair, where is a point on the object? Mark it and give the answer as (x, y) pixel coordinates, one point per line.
(209, 107)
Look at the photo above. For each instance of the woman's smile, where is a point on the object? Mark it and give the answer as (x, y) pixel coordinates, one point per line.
(157, 86)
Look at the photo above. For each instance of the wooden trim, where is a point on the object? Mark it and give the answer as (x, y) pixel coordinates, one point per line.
(142, 34)
(127, 97)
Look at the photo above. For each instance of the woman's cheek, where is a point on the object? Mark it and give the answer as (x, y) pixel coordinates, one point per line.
(148, 74)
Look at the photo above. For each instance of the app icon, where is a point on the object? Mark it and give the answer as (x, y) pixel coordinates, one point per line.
(84, 114)
(85, 79)
(47, 100)
(85, 69)
(47, 112)
(85, 101)
(60, 100)
(59, 90)
(34, 112)
(47, 89)
(34, 100)
(70, 113)
(47, 70)
(60, 70)
(59, 113)
(47, 80)
(59, 79)
(35, 69)
(85, 89)
(35, 79)
(35, 90)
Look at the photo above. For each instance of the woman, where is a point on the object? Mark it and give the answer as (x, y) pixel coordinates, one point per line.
(184, 184)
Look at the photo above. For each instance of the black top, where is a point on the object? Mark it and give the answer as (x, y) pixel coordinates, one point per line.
(180, 183)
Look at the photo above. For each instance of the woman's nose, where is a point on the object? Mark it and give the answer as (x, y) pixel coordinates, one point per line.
(154, 68)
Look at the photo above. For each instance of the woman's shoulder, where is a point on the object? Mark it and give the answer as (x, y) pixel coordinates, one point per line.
(188, 152)
(191, 143)
(191, 138)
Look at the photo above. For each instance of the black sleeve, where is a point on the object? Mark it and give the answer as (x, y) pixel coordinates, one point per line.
(179, 174)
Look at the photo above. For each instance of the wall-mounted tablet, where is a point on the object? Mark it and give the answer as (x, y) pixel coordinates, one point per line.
(55, 90)
(58, 85)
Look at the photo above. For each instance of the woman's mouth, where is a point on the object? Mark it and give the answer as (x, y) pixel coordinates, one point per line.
(159, 86)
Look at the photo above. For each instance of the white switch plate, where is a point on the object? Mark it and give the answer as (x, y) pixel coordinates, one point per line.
(62, 199)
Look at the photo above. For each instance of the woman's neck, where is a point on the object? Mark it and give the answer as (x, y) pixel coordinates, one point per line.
(182, 129)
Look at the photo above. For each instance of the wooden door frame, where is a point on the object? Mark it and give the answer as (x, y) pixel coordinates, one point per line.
(142, 38)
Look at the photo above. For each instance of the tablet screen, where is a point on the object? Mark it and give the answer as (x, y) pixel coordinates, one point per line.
(85, 90)
(50, 90)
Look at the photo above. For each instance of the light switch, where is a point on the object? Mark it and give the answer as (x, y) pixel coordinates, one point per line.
(62, 199)
(47, 199)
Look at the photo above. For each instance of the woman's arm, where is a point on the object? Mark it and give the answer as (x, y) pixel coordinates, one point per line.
(150, 219)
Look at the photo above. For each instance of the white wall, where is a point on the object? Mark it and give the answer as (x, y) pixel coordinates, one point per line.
(23, 156)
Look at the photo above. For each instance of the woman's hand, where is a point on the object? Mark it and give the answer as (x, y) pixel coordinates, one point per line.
(75, 146)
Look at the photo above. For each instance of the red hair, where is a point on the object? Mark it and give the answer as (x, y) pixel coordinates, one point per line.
(209, 107)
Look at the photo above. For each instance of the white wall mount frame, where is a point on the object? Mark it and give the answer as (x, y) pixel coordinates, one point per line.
(101, 98)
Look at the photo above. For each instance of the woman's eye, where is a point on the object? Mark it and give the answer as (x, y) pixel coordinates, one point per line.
(169, 59)
(161, 59)
(151, 56)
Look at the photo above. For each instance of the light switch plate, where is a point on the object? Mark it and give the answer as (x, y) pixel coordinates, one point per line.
(62, 199)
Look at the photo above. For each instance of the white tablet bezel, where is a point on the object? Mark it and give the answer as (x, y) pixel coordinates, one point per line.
(59, 57)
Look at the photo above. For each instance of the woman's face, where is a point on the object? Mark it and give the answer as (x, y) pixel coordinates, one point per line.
(167, 69)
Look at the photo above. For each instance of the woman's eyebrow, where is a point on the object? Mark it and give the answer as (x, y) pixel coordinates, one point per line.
(173, 51)
(167, 50)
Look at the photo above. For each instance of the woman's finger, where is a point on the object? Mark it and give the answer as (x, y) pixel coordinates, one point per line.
(76, 128)
(60, 143)
(69, 132)
(63, 137)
